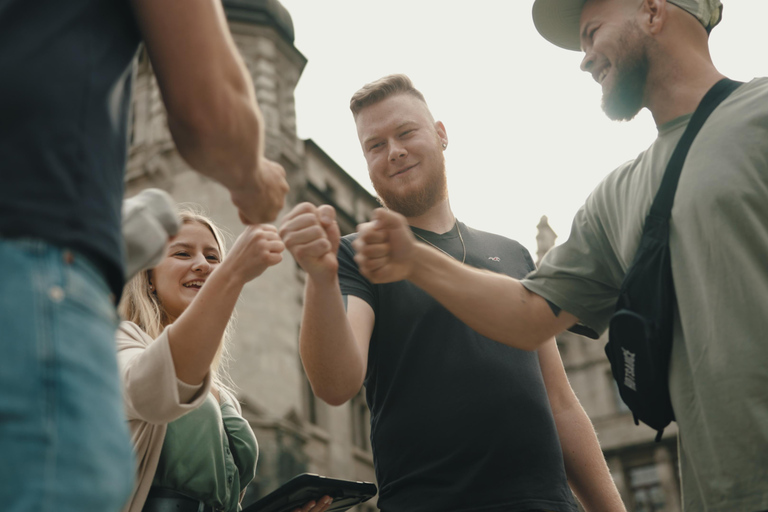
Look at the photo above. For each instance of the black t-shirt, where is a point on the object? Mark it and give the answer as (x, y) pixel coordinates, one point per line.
(458, 422)
(64, 103)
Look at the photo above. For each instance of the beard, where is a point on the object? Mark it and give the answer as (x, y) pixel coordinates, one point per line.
(625, 99)
(416, 202)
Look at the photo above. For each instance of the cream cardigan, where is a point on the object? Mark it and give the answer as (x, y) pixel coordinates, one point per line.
(153, 398)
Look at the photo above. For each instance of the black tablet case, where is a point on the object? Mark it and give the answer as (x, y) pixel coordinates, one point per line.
(308, 487)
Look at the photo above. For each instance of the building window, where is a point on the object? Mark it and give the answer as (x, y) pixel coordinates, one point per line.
(646, 489)
(329, 192)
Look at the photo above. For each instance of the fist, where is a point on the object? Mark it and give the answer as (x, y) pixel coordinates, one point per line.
(385, 248)
(263, 202)
(312, 236)
(256, 249)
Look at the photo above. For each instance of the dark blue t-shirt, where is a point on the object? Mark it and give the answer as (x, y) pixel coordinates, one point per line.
(458, 422)
(65, 88)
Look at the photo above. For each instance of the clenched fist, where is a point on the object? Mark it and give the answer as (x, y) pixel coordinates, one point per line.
(385, 248)
(312, 236)
(256, 249)
(263, 201)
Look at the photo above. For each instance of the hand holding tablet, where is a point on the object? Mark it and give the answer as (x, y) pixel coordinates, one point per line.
(307, 487)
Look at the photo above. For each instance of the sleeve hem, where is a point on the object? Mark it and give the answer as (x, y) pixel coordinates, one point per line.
(590, 325)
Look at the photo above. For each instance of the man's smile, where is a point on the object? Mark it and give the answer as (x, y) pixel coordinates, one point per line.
(403, 170)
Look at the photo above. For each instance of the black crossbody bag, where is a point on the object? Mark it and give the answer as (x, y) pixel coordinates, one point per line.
(640, 336)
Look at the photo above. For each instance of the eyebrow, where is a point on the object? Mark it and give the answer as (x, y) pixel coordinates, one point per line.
(370, 139)
(185, 245)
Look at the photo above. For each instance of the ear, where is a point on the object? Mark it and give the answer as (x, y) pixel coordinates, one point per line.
(654, 15)
(441, 133)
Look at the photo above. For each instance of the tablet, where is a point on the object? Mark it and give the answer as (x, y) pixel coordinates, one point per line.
(308, 487)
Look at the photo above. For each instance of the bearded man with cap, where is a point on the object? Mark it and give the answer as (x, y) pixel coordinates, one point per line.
(647, 54)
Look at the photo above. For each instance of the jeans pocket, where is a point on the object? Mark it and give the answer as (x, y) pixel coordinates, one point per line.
(84, 286)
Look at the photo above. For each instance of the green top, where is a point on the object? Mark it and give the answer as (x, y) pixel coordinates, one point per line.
(719, 249)
(209, 454)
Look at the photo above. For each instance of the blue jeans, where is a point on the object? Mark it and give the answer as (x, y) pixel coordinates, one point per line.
(64, 442)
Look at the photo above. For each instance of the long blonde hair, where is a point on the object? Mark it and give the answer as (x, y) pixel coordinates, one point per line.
(140, 305)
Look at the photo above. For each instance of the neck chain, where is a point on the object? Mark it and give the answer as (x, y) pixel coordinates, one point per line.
(463, 247)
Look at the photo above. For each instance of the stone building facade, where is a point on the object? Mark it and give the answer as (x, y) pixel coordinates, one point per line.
(644, 471)
(296, 432)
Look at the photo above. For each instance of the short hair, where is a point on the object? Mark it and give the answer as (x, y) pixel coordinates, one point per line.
(140, 305)
(381, 89)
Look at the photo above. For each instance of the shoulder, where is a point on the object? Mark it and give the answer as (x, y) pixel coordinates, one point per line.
(618, 177)
(746, 105)
(128, 329)
(757, 86)
(228, 396)
(618, 187)
(131, 335)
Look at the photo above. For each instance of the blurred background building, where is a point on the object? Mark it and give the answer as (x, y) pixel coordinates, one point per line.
(297, 432)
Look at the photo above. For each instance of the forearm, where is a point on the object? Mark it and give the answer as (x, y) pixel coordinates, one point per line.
(222, 137)
(195, 336)
(206, 88)
(588, 474)
(331, 356)
(495, 305)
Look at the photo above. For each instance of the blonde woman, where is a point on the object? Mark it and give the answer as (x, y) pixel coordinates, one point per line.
(194, 450)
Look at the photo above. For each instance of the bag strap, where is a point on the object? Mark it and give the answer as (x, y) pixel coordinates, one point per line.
(662, 203)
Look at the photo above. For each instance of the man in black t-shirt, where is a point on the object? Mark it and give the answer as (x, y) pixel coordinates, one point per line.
(459, 422)
(64, 103)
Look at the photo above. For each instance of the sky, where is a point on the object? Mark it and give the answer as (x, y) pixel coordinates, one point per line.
(527, 136)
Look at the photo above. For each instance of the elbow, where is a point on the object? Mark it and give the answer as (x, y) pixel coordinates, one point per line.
(335, 400)
(335, 393)
(334, 397)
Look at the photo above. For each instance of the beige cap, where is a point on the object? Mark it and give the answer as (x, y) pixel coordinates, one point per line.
(558, 20)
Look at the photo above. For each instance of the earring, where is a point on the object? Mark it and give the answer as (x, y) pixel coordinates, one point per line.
(445, 145)
(151, 288)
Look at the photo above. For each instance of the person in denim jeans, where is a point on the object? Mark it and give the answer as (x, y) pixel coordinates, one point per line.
(61, 406)
(65, 102)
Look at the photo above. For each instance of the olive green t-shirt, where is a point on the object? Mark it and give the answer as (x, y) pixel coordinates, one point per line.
(209, 454)
(719, 248)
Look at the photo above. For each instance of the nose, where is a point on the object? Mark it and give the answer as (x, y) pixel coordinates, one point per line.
(397, 150)
(201, 265)
(588, 61)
